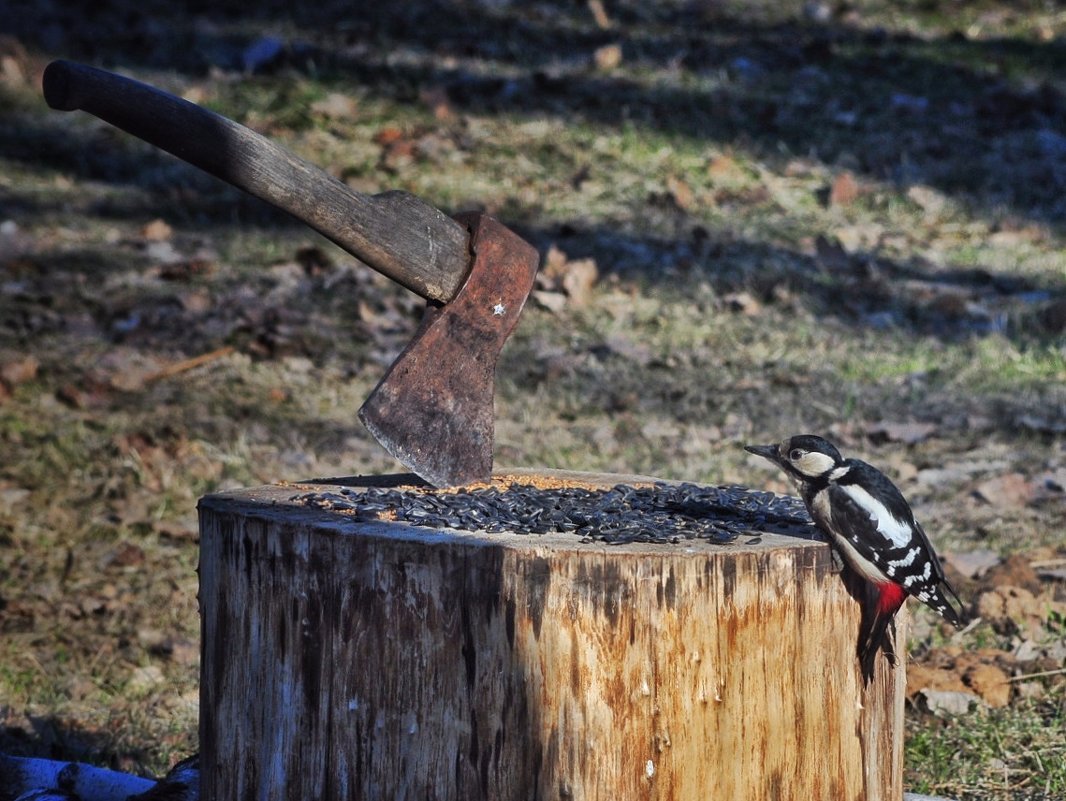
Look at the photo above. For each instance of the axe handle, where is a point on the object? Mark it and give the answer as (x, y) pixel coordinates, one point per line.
(397, 234)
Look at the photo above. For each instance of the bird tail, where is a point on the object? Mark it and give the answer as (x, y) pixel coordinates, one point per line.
(938, 600)
(879, 612)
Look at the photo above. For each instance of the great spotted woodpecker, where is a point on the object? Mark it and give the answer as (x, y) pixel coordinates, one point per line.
(872, 527)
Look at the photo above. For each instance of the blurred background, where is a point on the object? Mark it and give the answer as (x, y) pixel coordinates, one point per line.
(755, 219)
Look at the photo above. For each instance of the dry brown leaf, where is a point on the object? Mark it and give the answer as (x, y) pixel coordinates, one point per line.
(561, 281)
(990, 682)
(972, 563)
(599, 14)
(908, 433)
(608, 57)
(157, 231)
(844, 190)
(1011, 490)
(722, 167)
(336, 106)
(19, 371)
(680, 193)
(1013, 610)
(928, 677)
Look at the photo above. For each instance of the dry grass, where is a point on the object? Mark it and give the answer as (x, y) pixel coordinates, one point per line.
(799, 224)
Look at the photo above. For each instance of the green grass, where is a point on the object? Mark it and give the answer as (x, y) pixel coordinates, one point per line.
(657, 374)
(1016, 752)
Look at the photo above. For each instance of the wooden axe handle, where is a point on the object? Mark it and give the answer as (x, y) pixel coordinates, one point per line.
(397, 234)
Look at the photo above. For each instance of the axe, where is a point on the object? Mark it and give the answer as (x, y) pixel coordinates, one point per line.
(433, 410)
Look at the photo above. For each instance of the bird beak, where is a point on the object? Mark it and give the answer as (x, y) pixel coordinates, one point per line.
(771, 452)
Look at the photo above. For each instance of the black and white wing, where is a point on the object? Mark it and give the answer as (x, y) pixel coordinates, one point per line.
(872, 517)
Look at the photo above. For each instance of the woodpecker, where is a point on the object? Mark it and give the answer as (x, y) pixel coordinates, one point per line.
(872, 528)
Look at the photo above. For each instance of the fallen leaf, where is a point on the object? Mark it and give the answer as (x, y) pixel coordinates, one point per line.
(183, 651)
(1014, 571)
(1011, 490)
(680, 193)
(608, 57)
(573, 280)
(972, 563)
(128, 369)
(126, 554)
(145, 678)
(931, 201)
(175, 532)
(1015, 610)
(599, 14)
(723, 167)
(19, 371)
(990, 682)
(908, 433)
(196, 301)
(554, 302)
(15, 63)
(150, 638)
(157, 231)
(844, 190)
(928, 677)
(336, 106)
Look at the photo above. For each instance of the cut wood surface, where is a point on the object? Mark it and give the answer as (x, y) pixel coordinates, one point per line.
(353, 660)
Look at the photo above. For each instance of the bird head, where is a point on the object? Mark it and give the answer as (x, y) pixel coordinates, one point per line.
(804, 457)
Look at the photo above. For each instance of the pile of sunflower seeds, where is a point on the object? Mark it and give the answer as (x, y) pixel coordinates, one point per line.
(662, 513)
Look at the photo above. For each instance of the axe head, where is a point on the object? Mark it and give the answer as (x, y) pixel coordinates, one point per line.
(433, 410)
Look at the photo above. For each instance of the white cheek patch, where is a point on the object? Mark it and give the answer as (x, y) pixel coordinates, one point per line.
(895, 531)
(813, 464)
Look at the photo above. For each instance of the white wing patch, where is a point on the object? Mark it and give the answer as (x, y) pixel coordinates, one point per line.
(907, 559)
(895, 531)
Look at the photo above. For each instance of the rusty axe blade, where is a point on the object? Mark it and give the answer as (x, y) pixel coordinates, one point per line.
(417, 406)
(433, 411)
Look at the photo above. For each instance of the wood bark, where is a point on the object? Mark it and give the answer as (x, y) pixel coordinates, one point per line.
(353, 660)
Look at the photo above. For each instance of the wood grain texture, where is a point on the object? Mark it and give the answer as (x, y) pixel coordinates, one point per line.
(347, 660)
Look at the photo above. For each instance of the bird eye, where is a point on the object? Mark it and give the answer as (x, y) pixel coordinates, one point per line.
(795, 454)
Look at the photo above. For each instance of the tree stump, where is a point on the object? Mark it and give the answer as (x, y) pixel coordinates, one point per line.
(346, 659)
